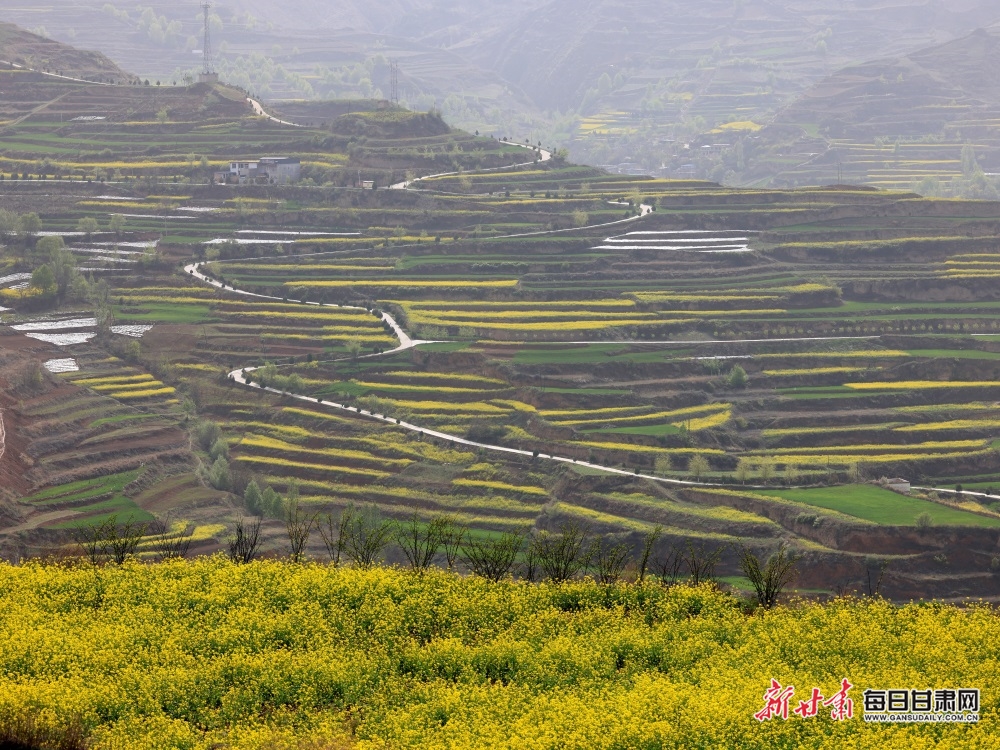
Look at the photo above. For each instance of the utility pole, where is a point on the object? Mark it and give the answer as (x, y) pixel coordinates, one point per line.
(208, 74)
(394, 82)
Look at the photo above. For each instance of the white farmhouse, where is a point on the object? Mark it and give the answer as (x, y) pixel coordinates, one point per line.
(270, 170)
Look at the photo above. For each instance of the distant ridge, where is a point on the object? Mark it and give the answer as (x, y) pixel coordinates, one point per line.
(893, 122)
(30, 50)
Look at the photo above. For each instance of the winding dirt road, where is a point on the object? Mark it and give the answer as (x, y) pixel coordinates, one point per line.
(259, 111)
(543, 157)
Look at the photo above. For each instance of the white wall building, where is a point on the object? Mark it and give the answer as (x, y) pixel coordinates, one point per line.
(271, 170)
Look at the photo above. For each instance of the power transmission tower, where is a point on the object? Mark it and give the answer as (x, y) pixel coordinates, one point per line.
(208, 74)
(394, 82)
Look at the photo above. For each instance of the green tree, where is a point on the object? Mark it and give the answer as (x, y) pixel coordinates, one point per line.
(43, 280)
(207, 433)
(8, 222)
(252, 497)
(218, 474)
(792, 473)
(61, 261)
(87, 225)
(46, 246)
(116, 223)
(271, 503)
(737, 377)
(766, 470)
(219, 448)
(743, 469)
(698, 467)
(28, 225)
(970, 165)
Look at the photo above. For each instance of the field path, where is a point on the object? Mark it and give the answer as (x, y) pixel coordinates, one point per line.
(56, 75)
(39, 520)
(38, 109)
(543, 154)
(259, 110)
(3, 437)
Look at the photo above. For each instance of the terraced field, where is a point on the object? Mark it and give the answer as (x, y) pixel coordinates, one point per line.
(522, 347)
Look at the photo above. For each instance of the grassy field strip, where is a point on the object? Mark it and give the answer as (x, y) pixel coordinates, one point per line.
(881, 506)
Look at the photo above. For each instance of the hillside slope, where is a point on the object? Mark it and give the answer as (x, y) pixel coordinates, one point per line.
(33, 51)
(895, 122)
(617, 83)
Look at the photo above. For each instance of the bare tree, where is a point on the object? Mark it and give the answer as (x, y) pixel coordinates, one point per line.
(491, 558)
(245, 541)
(769, 580)
(563, 555)
(701, 561)
(648, 542)
(169, 544)
(608, 560)
(530, 566)
(875, 587)
(298, 526)
(669, 566)
(452, 535)
(419, 541)
(334, 533)
(91, 539)
(368, 534)
(122, 541)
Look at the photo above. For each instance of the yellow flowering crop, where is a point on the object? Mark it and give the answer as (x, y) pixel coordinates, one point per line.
(206, 654)
(912, 385)
(501, 486)
(266, 443)
(165, 391)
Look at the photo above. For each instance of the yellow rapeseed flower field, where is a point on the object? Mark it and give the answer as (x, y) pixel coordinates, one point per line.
(913, 385)
(206, 654)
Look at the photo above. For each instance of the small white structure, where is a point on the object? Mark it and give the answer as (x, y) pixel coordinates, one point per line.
(271, 170)
(898, 485)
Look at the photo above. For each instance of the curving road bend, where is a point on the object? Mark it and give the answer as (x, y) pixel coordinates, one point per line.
(543, 156)
(405, 342)
(259, 111)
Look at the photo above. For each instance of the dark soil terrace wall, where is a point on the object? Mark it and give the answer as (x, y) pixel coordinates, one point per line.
(923, 290)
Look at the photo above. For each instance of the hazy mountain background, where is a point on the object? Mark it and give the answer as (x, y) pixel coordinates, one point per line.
(743, 91)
